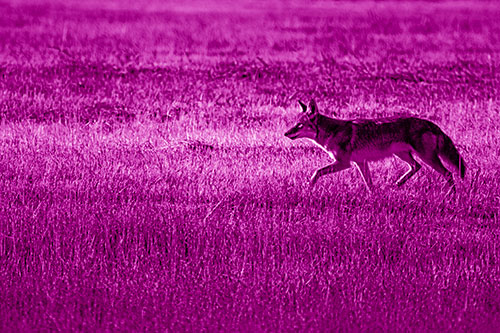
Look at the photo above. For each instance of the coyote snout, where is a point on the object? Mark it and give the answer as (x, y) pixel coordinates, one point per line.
(362, 140)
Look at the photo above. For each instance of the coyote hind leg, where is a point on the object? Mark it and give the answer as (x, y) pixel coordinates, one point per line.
(414, 167)
(432, 159)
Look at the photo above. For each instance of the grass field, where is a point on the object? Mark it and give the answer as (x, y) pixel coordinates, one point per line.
(146, 183)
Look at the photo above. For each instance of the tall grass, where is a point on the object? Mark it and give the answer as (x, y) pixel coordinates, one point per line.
(147, 185)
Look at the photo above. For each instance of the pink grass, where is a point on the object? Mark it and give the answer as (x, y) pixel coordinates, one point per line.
(147, 185)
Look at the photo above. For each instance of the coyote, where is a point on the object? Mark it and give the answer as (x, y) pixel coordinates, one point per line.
(364, 140)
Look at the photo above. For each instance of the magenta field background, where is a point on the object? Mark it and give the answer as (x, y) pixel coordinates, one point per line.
(146, 184)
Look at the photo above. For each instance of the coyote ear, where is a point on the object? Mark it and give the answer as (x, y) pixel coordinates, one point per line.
(304, 107)
(313, 106)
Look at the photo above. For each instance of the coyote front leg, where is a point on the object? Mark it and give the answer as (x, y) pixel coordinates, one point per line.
(365, 174)
(332, 168)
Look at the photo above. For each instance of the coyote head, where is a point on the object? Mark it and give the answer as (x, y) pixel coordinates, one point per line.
(306, 126)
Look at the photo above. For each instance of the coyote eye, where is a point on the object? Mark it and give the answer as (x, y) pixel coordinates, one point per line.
(300, 125)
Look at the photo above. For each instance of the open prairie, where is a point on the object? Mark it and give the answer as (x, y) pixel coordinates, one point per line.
(146, 183)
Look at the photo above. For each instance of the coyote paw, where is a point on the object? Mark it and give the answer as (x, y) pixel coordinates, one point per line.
(314, 179)
(452, 191)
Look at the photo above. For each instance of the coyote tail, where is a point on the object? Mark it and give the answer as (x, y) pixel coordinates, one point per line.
(449, 152)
